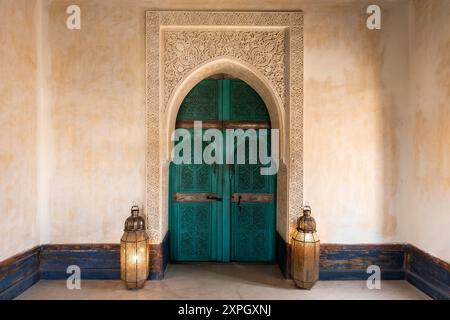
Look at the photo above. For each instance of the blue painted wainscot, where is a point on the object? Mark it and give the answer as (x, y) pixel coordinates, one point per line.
(429, 274)
(350, 262)
(18, 273)
(97, 261)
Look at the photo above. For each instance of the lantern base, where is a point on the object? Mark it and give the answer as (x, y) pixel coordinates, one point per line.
(304, 285)
(135, 285)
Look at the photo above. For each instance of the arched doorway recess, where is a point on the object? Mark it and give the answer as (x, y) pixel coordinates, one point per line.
(222, 198)
(265, 49)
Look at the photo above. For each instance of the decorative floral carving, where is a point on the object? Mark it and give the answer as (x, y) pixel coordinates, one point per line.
(295, 183)
(152, 206)
(202, 18)
(186, 50)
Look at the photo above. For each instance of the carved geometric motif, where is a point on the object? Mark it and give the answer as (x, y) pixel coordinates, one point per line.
(185, 50)
(247, 105)
(201, 103)
(250, 222)
(194, 234)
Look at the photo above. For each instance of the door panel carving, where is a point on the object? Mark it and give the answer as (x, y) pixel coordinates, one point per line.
(222, 212)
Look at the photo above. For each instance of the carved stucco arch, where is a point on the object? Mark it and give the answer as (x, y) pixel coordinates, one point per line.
(234, 68)
(174, 64)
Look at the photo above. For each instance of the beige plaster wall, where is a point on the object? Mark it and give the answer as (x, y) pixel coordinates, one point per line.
(425, 161)
(354, 83)
(355, 89)
(95, 80)
(18, 116)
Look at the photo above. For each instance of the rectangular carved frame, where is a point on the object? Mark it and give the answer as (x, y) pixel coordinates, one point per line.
(160, 83)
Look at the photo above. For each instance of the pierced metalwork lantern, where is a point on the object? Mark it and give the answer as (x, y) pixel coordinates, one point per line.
(305, 251)
(134, 253)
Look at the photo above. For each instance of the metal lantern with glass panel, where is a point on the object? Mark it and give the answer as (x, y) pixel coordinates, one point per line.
(134, 253)
(305, 251)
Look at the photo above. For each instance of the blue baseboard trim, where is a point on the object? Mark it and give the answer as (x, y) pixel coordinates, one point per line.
(100, 261)
(19, 287)
(350, 262)
(427, 273)
(86, 274)
(18, 273)
(424, 286)
(359, 275)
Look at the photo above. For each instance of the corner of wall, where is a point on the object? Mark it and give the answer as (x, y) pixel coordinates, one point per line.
(43, 137)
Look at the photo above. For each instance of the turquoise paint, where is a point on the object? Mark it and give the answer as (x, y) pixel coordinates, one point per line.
(220, 231)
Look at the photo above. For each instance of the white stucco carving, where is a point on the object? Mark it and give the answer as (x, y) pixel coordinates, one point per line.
(178, 43)
(185, 50)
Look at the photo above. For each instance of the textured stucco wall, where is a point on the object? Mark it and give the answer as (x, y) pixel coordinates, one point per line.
(95, 80)
(355, 85)
(425, 161)
(18, 111)
(96, 86)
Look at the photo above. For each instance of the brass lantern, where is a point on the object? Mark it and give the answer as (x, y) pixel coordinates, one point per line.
(305, 251)
(134, 254)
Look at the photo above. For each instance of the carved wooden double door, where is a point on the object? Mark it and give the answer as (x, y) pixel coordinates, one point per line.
(222, 212)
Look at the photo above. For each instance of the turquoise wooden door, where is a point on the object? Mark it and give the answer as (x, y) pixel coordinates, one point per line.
(222, 212)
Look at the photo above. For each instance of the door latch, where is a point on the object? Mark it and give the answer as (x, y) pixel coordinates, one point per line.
(239, 203)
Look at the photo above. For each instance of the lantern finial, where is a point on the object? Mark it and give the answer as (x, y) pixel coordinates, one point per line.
(135, 222)
(306, 223)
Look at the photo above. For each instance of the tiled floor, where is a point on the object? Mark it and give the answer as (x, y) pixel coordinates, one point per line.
(230, 281)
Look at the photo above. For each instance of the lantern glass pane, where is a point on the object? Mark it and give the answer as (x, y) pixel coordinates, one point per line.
(309, 237)
(142, 253)
(134, 260)
(123, 254)
(131, 261)
(141, 236)
(131, 237)
(305, 250)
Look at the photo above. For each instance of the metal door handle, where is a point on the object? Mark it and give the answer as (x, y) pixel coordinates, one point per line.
(213, 198)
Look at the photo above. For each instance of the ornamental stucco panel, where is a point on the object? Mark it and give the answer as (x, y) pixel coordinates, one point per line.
(152, 207)
(185, 50)
(179, 42)
(295, 138)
